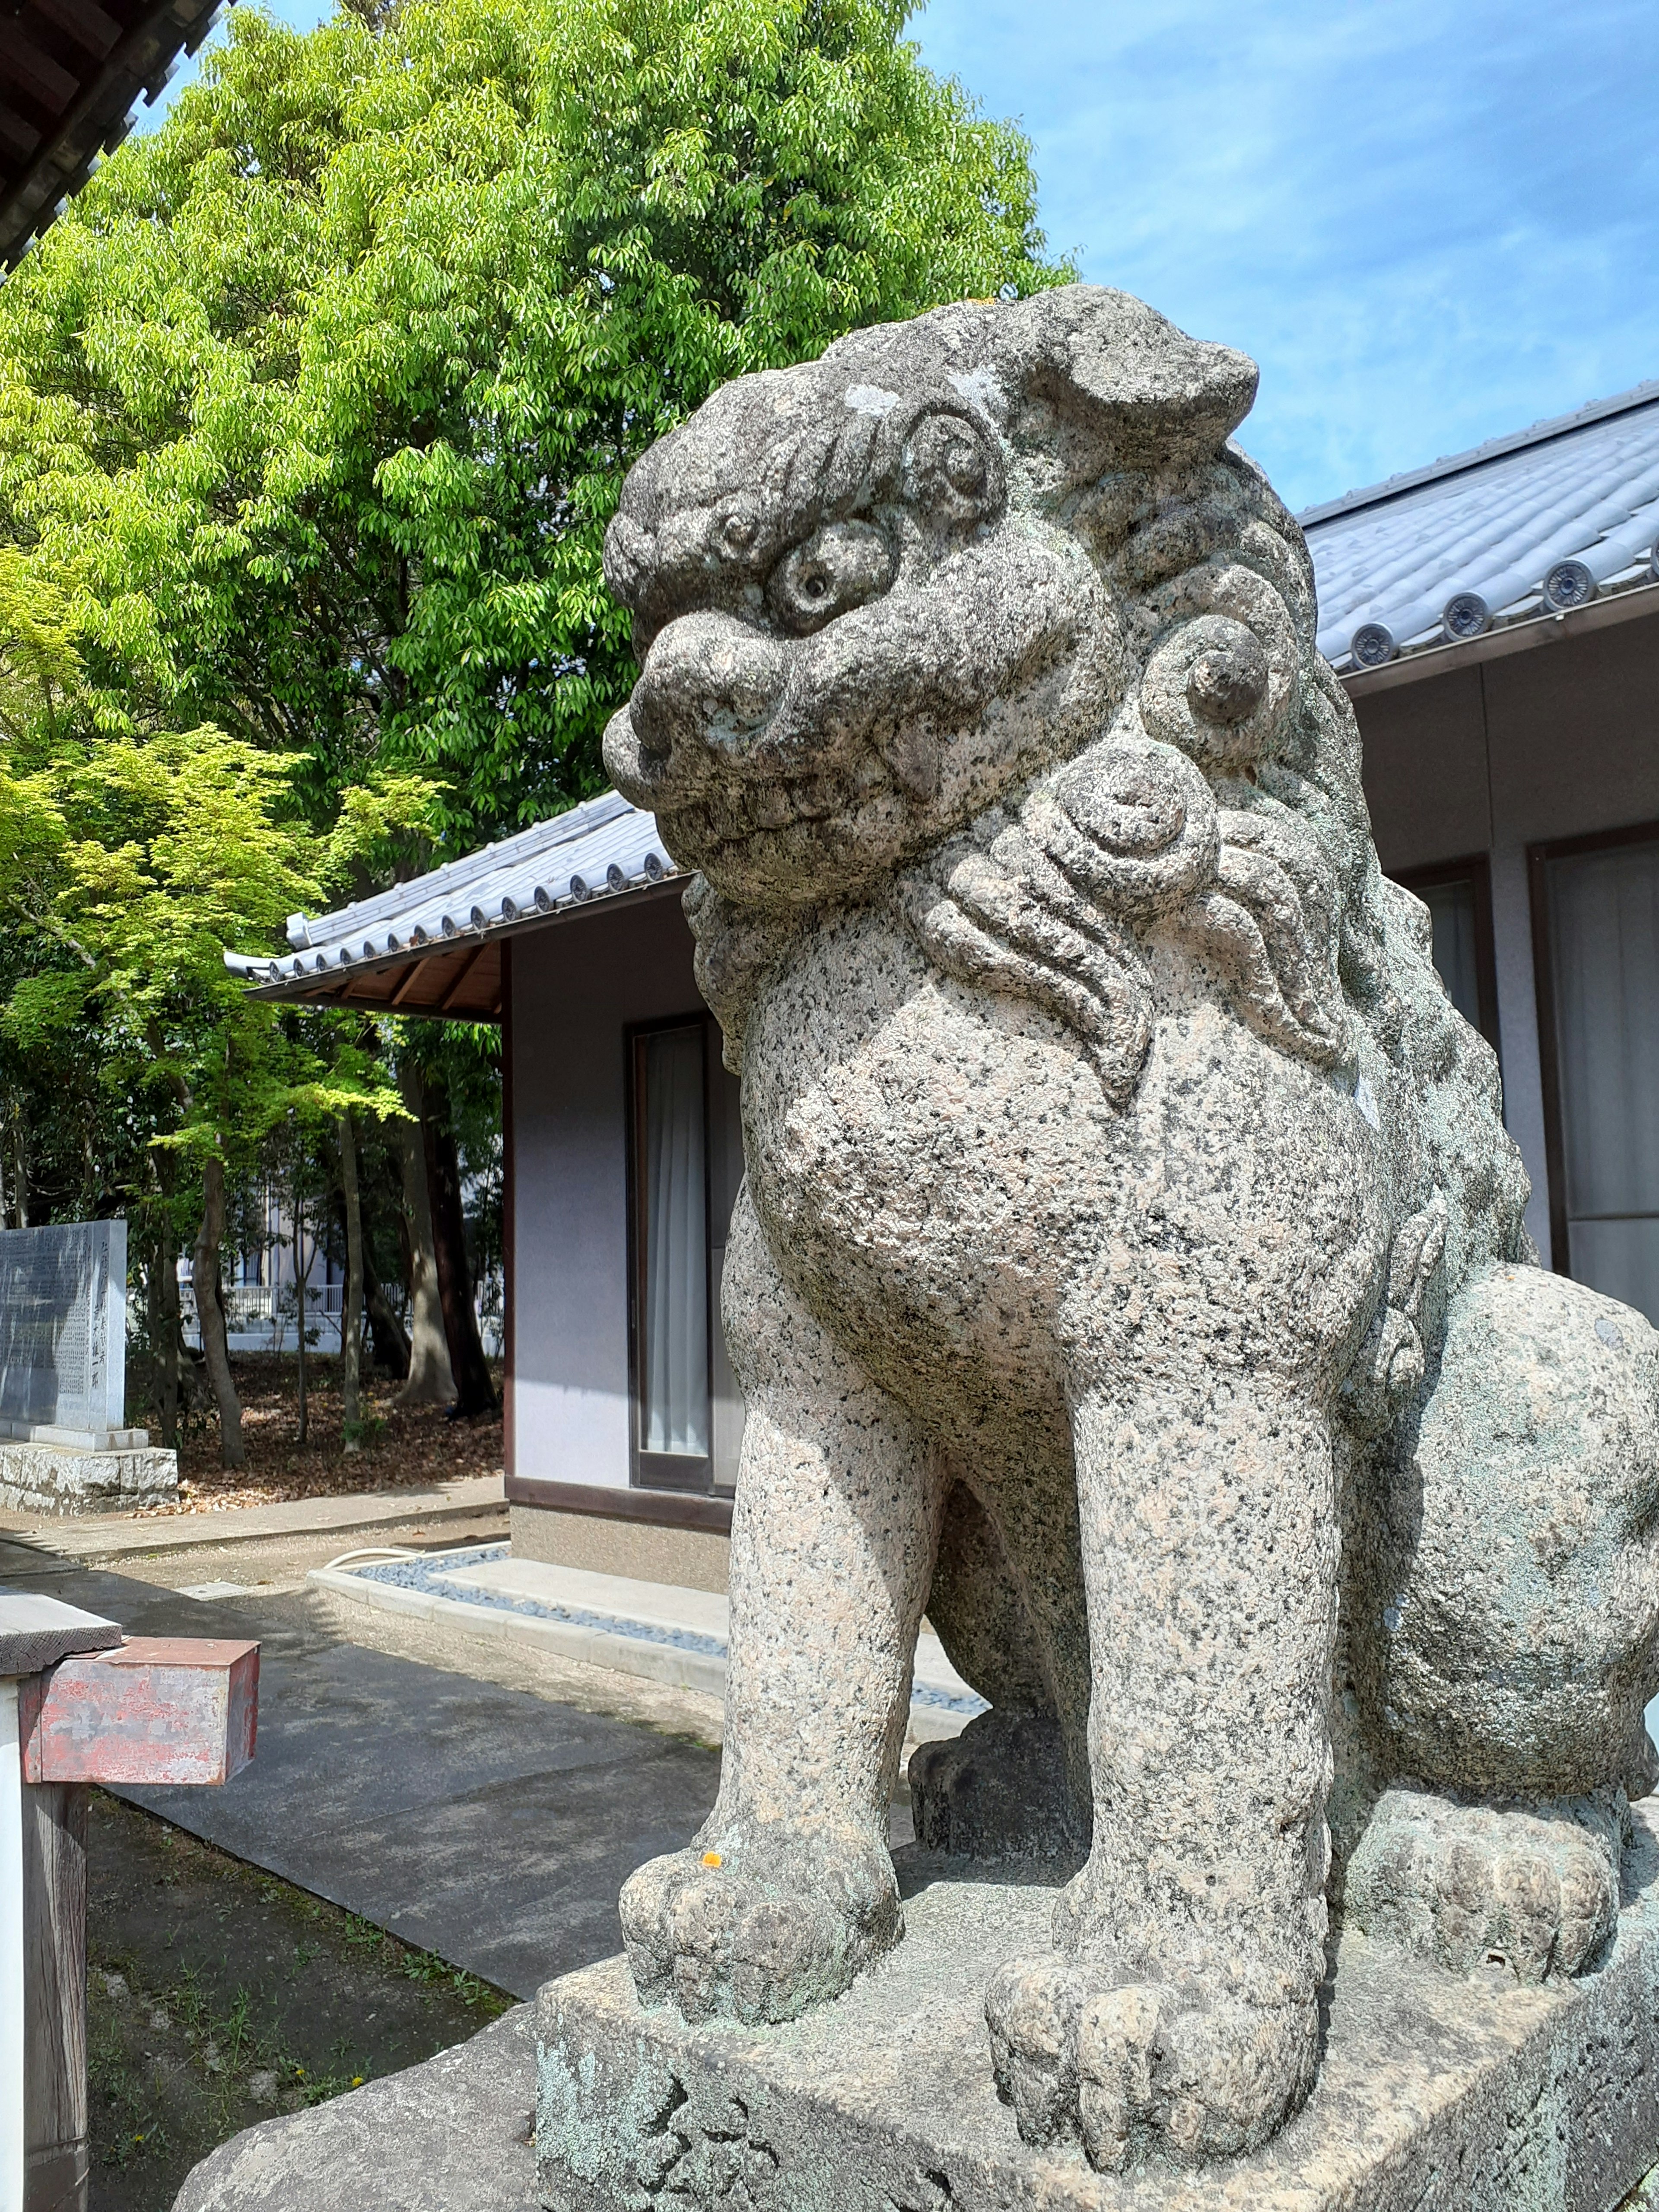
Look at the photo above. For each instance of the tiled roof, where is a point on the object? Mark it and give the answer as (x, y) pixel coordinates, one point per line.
(432, 944)
(71, 71)
(1538, 523)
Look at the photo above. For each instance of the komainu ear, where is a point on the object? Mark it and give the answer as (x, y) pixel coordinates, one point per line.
(1142, 392)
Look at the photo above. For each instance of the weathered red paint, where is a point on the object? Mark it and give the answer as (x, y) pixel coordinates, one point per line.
(158, 1709)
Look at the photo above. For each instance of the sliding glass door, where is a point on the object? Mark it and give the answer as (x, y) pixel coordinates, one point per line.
(1596, 916)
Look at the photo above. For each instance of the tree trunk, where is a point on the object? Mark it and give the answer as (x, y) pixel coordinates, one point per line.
(210, 1314)
(351, 1319)
(431, 1378)
(165, 1333)
(19, 1169)
(474, 1391)
(163, 1318)
(387, 1340)
(391, 1339)
(302, 1260)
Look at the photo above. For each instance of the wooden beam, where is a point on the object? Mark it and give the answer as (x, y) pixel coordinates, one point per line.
(417, 969)
(162, 1709)
(84, 21)
(466, 969)
(54, 1850)
(36, 1632)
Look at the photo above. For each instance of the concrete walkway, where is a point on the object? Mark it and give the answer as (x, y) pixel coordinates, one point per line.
(487, 1824)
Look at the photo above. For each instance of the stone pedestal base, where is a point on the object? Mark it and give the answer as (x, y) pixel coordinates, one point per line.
(1436, 2094)
(56, 1479)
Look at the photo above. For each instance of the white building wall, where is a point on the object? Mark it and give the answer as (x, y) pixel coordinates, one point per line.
(576, 987)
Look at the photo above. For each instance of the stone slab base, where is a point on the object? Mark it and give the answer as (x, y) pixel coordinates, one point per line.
(1436, 2094)
(450, 2135)
(56, 1479)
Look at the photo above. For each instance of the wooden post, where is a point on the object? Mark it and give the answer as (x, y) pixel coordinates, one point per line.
(56, 2147)
(80, 1704)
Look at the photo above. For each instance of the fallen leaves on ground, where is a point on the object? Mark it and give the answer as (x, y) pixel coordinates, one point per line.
(408, 1447)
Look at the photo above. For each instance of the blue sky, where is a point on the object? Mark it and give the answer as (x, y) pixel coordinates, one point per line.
(1430, 223)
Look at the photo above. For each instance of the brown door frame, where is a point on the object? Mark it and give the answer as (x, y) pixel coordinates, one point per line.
(1549, 1043)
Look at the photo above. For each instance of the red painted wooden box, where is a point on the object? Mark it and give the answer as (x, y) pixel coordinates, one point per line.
(158, 1709)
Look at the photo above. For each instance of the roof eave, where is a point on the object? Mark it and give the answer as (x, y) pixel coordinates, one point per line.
(1499, 644)
(333, 986)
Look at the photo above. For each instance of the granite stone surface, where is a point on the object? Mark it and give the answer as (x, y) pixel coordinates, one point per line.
(1435, 2093)
(1129, 1269)
(56, 1479)
(453, 2135)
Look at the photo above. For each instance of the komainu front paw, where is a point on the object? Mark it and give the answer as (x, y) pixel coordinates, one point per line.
(757, 1923)
(1138, 2071)
(1534, 1888)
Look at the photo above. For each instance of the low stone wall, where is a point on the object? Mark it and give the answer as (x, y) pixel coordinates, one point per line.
(56, 1479)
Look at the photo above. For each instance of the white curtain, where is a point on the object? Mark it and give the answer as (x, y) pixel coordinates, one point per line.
(675, 1353)
(1451, 910)
(1604, 908)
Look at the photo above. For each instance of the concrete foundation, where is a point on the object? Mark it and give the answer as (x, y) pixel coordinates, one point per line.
(1436, 2094)
(55, 1479)
(692, 1558)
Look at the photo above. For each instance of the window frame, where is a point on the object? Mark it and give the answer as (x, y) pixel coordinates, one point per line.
(1475, 868)
(1539, 858)
(681, 1473)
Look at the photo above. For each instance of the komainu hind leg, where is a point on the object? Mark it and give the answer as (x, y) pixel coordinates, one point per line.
(1532, 1889)
(1502, 1608)
(1000, 1790)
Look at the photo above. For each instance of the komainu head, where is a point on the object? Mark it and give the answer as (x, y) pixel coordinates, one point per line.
(986, 613)
(873, 593)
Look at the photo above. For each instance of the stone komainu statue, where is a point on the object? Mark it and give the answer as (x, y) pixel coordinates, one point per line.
(1130, 1267)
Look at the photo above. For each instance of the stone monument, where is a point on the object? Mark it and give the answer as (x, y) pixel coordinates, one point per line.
(64, 1447)
(1130, 1272)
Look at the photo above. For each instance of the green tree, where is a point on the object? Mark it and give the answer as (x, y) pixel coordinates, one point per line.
(125, 863)
(314, 407)
(318, 399)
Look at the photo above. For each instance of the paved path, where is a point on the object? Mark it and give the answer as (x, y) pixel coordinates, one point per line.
(115, 1536)
(487, 1824)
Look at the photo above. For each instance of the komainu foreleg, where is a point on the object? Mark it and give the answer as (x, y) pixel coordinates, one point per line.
(789, 1891)
(1502, 1604)
(1177, 2016)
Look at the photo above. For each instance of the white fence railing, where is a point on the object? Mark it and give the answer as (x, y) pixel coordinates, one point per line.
(260, 1317)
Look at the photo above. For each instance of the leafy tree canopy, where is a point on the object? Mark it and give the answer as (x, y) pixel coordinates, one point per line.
(314, 406)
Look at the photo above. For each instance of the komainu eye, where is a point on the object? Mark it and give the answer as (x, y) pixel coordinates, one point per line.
(838, 567)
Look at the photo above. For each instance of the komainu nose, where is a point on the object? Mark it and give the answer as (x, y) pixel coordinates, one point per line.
(708, 683)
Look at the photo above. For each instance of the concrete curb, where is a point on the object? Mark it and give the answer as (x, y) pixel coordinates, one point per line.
(623, 1655)
(666, 1663)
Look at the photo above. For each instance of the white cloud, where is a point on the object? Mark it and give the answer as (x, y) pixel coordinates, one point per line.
(1430, 225)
